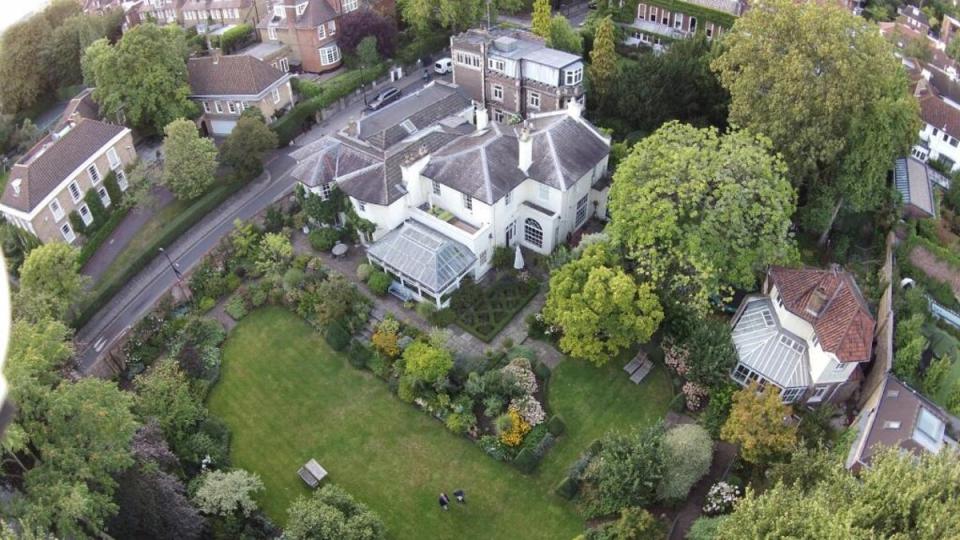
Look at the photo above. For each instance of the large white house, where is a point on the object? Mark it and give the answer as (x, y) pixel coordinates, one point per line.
(445, 186)
(807, 335)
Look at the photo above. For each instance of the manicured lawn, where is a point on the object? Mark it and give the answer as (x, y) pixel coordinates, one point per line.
(595, 400)
(143, 239)
(288, 398)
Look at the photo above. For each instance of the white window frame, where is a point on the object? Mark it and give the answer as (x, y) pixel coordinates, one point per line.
(276, 95)
(437, 190)
(361, 206)
(496, 64)
(678, 21)
(467, 201)
(321, 32)
(497, 115)
(819, 392)
(75, 187)
(271, 34)
(466, 59)
(692, 24)
(301, 8)
(326, 190)
(284, 64)
(496, 92)
(533, 100)
(122, 179)
(113, 158)
(232, 108)
(332, 27)
(206, 106)
(67, 231)
(85, 214)
(94, 173)
(581, 216)
(572, 76)
(329, 55)
(57, 210)
(507, 198)
(533, 235)
(218, 107)
(350, 5)
(104, 196)
(790, 395)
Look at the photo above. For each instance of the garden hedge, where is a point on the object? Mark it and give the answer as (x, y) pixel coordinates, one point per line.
(567, 488)
(556, 426)
(379, 282)
(526, 460)
(337, 337)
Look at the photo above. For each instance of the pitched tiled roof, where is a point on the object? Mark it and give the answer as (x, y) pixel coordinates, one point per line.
(51, 161)
(935, 111)
(830, 301)
(410, 114)
(318, 12)
(83, 106)
(236, 75)
(893, 420)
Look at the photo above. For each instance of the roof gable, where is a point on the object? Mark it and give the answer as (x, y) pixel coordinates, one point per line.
(830, 301)
(236, 75)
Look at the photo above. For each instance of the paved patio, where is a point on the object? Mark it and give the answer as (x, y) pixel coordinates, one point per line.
(462, 342)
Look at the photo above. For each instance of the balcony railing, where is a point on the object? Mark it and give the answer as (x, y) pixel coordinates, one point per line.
(445, 222)
(726, 6)
(660, 29)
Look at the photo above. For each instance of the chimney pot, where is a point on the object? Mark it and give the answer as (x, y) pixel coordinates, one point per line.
(525, 150)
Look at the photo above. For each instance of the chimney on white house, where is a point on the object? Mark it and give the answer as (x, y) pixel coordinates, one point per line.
(525, 142)
(574, 108)
(483, 119)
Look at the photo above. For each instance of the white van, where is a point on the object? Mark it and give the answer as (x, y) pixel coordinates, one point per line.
(443, 66)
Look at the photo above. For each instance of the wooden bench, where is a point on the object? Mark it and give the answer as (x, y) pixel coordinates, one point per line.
(645, 367)
(312, 473)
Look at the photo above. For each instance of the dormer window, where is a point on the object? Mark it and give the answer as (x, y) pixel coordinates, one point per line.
(891, 425)
(817, 300)
(301, 8)
(279, 12)
(15, 184)
(572, 76)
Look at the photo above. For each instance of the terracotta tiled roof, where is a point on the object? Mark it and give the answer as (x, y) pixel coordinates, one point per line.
(935, 111)
(235, 75)
(830, 301)
(82, 106)
(52, 160)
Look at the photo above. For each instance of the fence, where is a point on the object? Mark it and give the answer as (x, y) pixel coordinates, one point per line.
(883, 352)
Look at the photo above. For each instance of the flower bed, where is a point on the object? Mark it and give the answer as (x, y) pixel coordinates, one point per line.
(485, 311)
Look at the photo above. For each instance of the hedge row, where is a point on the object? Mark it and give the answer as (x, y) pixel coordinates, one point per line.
(171, 232)
(319, 97)
(233, 38)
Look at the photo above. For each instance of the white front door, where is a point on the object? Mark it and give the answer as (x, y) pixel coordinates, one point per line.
(511, 232)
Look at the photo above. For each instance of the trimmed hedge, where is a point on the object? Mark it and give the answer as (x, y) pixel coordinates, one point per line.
(337, 337)
(567, 488)
(556, 426)
(95, 240)
(379, 282)
(174, 229)
(526, 460)
(234, 38)
(320, 97)
(359, 355)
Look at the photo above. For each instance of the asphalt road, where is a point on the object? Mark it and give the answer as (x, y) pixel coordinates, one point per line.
(136, 299)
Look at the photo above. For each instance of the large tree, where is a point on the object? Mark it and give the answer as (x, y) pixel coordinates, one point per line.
(332, 514)
(901, 495)
(453, 15)
(600, 308)
(603, 68)
(540, 23)
(50, 281)
(758, 424)
(21, 83)
(228, 494)
(83, 441)
(825, 87)
(246, 146)
(563, 36)
(142, 78)
(700, 214)
(360, 23)
(190, 160)
(164, 395)
(64, 49)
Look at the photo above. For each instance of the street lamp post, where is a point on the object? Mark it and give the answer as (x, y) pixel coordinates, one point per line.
(176, 271)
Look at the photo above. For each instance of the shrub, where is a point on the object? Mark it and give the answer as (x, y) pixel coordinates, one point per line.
(293, 279)
(541, 370)
(324, 238)
(502, 258)
(379, 282)
(385, 342)
(626, 471)
(407, 389)
(337, 337)
(442, 318)
(687, 453)
(705, 528)
(379, 365)
(258, 295)
(234, 38)
(518, 427)
(206, 304)
(633, 523)
(358, 355)
(530, 409)
(556, 426)
(426, 310)
(526, 460)
(720, 498)
(718, 409)
(494, 448)
(460, 422)
(236, 307)
(364, 270)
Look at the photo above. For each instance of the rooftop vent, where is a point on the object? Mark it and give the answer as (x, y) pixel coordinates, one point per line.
(891, 425)
(408, 125)
(893, 393)
(817, 300)
(505, 44)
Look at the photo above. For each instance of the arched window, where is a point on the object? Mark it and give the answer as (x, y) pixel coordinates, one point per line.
(532, 232)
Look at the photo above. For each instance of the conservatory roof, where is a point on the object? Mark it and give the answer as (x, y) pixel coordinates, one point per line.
(421, 254)
(766, 347)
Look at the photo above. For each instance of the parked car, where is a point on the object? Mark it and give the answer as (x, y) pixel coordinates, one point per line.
(443, 66)
(384, 98)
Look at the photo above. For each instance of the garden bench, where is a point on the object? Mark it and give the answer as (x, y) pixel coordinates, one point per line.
(645, 367)
(633, 365)
(312, 473)
(402, 293)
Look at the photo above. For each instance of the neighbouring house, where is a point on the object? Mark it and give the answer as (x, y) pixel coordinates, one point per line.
(52, 179)
(206, 13)
(807, 334)
(915, 182)
(897, 416)
(274, 53)
(948, 29)
(444, 192)
(225, 86)
(514, 74)
(99, 7)
(310, 29)
(161, 11)
(940, 135)
(659, 22)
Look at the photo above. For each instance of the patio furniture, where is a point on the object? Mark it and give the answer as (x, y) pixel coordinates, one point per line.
(312, 473)
(402, 293)
(339, 249)
(645, 367)
(633, 365)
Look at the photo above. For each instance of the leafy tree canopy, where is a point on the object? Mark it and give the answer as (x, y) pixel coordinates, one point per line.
(426, 362)
(699, 213)
(564, 37)
(246, 146)
(757, 423)
(332, 514)
(190, 160)
(228, 493)
(50, 281)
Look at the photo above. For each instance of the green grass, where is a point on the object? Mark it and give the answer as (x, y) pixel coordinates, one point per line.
(288, 398)
(593, 401)
(4, 176)
(143, 239)
(945, 345)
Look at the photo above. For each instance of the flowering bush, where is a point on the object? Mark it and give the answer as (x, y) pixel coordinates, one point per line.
(519, 371)
(676, 357)
(519, 427)
(385, 343)
(695, 395)
(530, 409)
(720, 498)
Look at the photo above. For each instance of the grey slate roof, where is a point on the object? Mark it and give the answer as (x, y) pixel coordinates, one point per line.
(564, 149)
(420, 110)
(433, 260)
(766, 347)
(914, 183)
(51, 161)
(234, 75)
